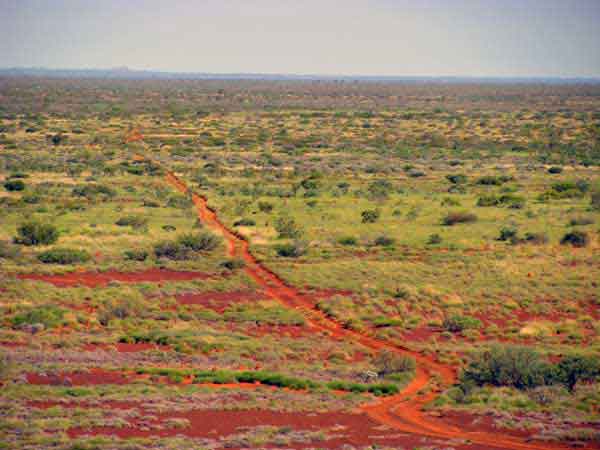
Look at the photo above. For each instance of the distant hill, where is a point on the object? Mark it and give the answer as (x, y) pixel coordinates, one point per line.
(132, 74)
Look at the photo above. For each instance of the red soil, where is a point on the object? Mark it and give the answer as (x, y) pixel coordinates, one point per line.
(218, 301)
(344, 428)
(94, 279)
(90, 378)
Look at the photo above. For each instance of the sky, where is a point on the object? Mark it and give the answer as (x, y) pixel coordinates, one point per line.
(524, 38)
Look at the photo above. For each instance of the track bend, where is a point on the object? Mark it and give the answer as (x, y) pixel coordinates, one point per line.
(402, 411)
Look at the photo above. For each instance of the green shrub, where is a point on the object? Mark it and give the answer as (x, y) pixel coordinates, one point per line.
(457, 178)
(49, 315)
(390, 363)
(555, 169)
(294, 250)
(490, 180)
(132, 221)
(595, 200)
(233, 264)
(575, 238)
(348, 240)
(488, 200)
(577, 368)
(434, 239)
(199, 242)
(36, 233)
(458, 323)
(64, 256)
(508, 365)
(91, 191)
(507, 234)
(459, 217)
(136, 255)
(287, 228)
(370, 215)
(384, 241)
(536, 238)
(265, 207)
(245, 222)
(14, 185)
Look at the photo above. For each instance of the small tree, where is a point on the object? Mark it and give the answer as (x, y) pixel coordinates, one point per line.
(390, 363)
(36, 233)
(370, 215)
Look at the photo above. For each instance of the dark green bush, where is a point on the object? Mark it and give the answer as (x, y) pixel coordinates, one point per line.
(136, 255)
(459, 217)
(64, 256)
(555, 169)
(199, 242)
(370, 215)
(384, 241)
(434, 239)
(488, 200)
(458, 323)
(91, 191)
(233, 264)
(348, 240)
(265, 207)
(132, 221)
(36, 233)
(245, 222)
(507, 234)
(536, 238)
(294, 250)
(575, 238)
(14, 185)
(508, 365)
(576, 368)
(457, 178)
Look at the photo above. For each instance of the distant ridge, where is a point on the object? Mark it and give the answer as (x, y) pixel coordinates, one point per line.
(125, 73)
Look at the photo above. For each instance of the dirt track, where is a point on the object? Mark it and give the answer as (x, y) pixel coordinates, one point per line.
(402, 411)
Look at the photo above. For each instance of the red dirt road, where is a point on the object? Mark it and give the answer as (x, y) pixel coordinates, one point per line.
(95, 279)
(403, 411)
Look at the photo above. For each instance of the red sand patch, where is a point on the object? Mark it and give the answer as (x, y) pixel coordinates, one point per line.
(218, 301)
(93, 377)
(344, 428)
(13, 344)
(94, 279)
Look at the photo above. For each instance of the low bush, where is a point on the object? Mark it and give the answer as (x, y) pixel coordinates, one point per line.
(370, 215)
(575, 238)
(132, 221)
(64, 256)
(508, 234)
(287, 228)
(136, 255)
(555, 170)
(434, 239)
(91, 191)
(36, 233)
(14, 185)
(508, 365)
(293, 250)
(187, 246)
(9, 251)
(265, 207)
(233, 264)
(490, 180)
(536, 238)
(523, 368)
(459, 217)
(348, 240)
(390, 363)
(245, 222)
(457, 323)
(457, 178)
(49, 316)
(384, 241)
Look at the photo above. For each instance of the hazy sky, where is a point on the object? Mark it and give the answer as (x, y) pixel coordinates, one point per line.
(376, 37)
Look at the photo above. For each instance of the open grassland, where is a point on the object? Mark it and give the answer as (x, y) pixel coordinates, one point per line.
(408, 229)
